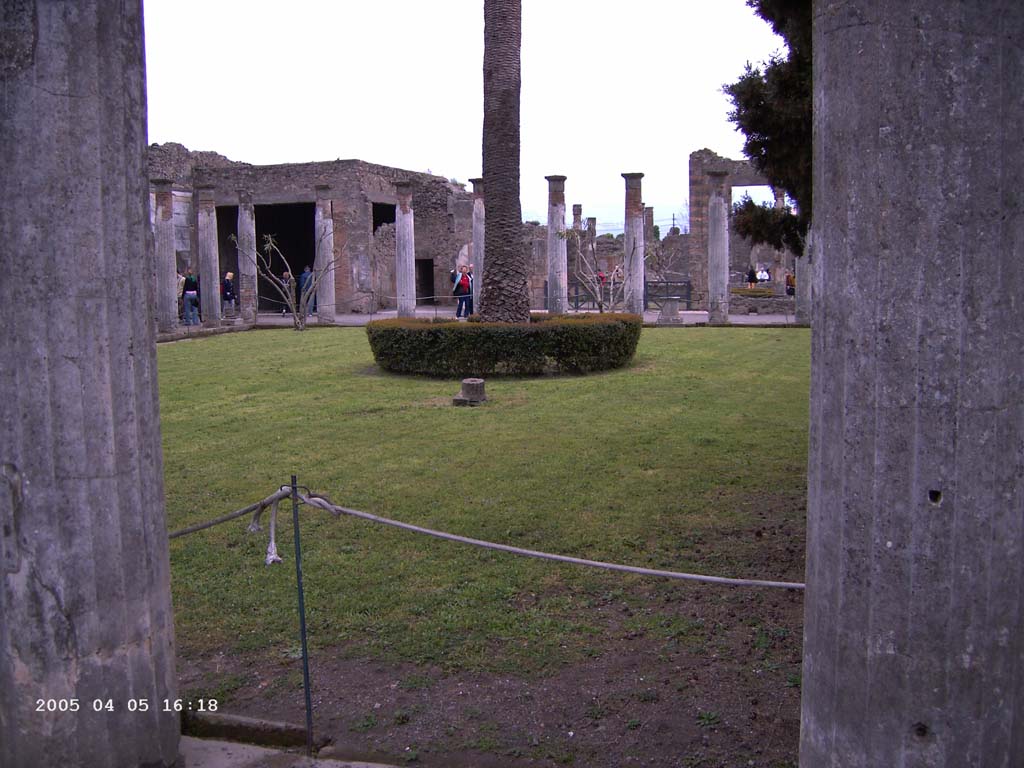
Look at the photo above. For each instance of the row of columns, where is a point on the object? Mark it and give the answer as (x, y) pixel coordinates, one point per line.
(558, 272)
(637, 224)
(165, 262)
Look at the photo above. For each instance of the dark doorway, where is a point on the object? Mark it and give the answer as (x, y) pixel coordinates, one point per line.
(227, 227)
(292, 227)
(383, 213)
(425, 281)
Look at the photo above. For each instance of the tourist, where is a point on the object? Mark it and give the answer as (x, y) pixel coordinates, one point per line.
(790, 284)
(306, 284)
(288, 285)
(180, 295)
(751, 278)
(227, 294)
(463, 290)
(190, 290)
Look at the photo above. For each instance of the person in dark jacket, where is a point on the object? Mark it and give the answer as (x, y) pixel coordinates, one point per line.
(191, 297)
(227, 294)
(462, 289)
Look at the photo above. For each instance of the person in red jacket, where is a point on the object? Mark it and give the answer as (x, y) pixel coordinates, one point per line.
(462, 289)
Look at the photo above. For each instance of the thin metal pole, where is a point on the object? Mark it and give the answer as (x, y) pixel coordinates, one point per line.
(302, 618)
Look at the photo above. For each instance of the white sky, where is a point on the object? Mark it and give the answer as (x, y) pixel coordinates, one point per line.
(607, 88)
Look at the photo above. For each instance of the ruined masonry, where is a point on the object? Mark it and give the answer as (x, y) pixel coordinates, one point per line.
(342, 216)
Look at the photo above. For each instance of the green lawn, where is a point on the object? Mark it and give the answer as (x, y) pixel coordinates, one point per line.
(658, 464)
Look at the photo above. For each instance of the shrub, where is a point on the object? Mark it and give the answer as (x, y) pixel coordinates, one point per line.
(562, 344)
(753, 293)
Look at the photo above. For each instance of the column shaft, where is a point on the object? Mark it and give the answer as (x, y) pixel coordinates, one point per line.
(914, 623)
(405, 248)
(85, 602)
(477, 251)
(633, 242)
(718, 256)
(325, 264)
(247, 270)
(166, 263)
(209, 257)
(558, 284)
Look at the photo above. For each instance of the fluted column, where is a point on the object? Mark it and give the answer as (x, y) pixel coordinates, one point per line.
(633, 242)
(477, 252)
(209, 257)
(166, 262)
(558, 284)
(718, 252)
(85, 601)
(324, 264)
(247, 270)
(405, 247)
(914, 610)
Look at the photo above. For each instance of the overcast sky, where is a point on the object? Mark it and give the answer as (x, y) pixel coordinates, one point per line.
(607, 88)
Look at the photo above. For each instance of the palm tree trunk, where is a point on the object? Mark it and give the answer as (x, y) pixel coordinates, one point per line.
(505, 296)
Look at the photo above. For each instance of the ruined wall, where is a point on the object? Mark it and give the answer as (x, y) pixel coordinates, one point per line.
(443, 211)
(739, 173)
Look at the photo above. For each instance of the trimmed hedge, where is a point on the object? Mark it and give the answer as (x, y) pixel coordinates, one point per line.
(753, 293)
(562, 344)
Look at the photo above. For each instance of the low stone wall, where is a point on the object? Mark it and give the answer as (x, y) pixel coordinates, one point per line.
(773, 305)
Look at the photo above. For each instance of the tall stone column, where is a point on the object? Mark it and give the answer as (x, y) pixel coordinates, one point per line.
(590, 240)
(577, 216)
(558, 284)
(209, 257)
(477, 253)
(405, 247)
(648, 226)
(633, 241)
(914, 622)
(166, 262)
(247, 269)
(324, 263)
(85, 600)
(802, 271)
(718, 252)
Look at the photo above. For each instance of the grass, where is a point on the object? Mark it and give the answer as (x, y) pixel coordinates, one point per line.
(655, 465)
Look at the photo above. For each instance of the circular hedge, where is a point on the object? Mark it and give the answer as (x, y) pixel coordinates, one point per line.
(559, 344)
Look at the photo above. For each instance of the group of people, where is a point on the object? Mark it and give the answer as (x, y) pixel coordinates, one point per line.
(755, 276)
(189, 309)
(306, 282)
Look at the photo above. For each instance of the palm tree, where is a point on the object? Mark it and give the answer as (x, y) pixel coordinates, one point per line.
(505, 296)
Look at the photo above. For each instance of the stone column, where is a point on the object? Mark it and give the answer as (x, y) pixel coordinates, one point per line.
(324, 265)
(802, 271)
(209, 257)
(718, 252)
(648, 226)
(405, 247)
(914, 622)
(633, 242)
(85, 601)
(476, 257)
(577, 216)
(166, 262)
(558, 284)
(247, 272)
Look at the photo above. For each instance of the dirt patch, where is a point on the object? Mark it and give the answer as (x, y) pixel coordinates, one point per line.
(708, 677)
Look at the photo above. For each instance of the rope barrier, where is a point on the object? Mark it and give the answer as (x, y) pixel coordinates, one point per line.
(322, 502)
